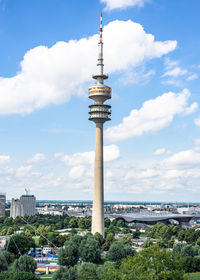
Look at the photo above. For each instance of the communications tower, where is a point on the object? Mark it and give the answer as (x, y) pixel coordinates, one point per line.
(99, 114)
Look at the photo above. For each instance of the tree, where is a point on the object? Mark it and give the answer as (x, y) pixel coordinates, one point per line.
(171, 243)
(120, 223)
(161, 243)
(17, 276)
(118, 250)
(69, 255)
(25, 263)
(109, 239)
(87, 271)
(90, 249)
(107, 222)
(177, 248)
(109, 272)
(100, 238)
(73, 223)
(189, 251)
(53, 238)
(136, 234)
(198, 241)
(152, 263)
(181, 235)
(5, 260)
(81, 223)
(126, 240)
(147, 243)
(190, 236)
(20, 244)
(65, 274)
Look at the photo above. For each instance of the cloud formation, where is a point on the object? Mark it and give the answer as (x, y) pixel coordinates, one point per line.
(22, 171)
(175, 72)
(154, 115)
(159, 152)
(175, 75)
(53, 75)
(122, 4)
(37, 157)
(4, 159)
(184, 159)
(111, 153)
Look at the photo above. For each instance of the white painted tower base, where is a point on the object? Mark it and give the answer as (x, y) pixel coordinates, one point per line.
(98, 196)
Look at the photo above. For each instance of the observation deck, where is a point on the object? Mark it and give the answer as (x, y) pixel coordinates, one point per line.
(99, 93)
(99, 113)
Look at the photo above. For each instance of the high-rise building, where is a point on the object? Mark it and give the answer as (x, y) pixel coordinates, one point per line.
(25, 206)
(16, 208)
(2, 204)
(99, 113)
(28, 202)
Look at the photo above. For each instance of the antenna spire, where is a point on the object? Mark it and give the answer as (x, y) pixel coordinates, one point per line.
(101, 30)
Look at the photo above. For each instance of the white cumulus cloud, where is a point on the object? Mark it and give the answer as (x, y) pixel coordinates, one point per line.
(122, 4)
(76, 172)
(159, 152)
(22, 171)
(37, 157)
(154, 115)
(111, 153)
(183, 159)
(192, 77)
(4, 159)
(177, 71)
(49, 75)
(197, 121)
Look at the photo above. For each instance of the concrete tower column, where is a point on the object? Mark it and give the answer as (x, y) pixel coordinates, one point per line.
(98, 195)
(100, 113)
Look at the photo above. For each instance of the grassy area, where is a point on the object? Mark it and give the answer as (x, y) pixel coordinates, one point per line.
(193, 276)
(36, 240)
(46, 276)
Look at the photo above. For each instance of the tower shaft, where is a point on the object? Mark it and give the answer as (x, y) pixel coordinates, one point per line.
(99, 113)
(98, 195)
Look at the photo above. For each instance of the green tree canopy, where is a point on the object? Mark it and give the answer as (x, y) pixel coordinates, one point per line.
(69, 255)
(118, 250)
(149, 264)
(87, 271)
(65, 274)
(17, 276)
(20, 243)
(90, 249)
(25, 263)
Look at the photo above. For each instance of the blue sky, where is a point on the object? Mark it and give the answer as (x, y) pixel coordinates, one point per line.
(48, 53)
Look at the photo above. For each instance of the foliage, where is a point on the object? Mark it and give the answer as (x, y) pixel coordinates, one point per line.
(25, 263)
(186, 250)
(20, 244)
(147, 243)
(69, 255)
(109, 239)
(5, 260)
(136, 234)
(90, 249)
(87, 271)
(126, 240)
(100, 238)
(65, 274)
(118, 250)
(120, 223)
(150, 264)
(166, 233)
(17, 276)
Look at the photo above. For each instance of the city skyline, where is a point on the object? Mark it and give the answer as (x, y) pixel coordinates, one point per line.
(152, 146)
